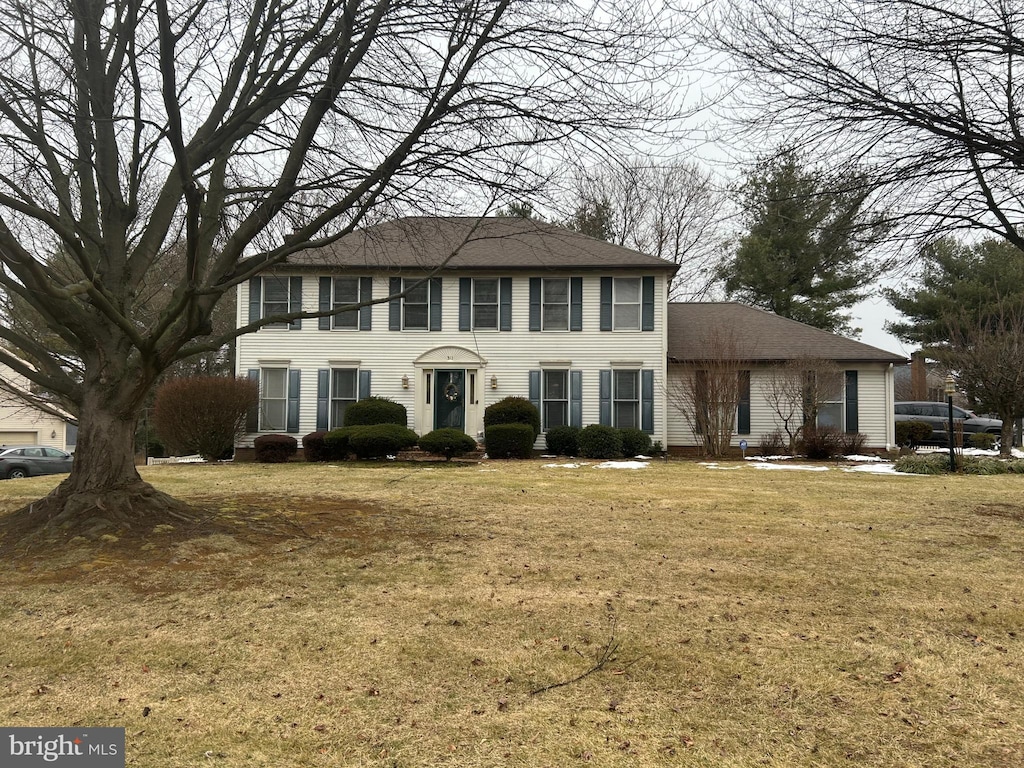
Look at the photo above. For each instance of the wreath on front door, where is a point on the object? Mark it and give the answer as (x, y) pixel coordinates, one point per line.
(451, 392)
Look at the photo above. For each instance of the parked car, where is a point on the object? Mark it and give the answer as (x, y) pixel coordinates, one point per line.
(937, 415)
(31, 460)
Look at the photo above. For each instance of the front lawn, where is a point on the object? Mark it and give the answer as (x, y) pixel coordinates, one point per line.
(517, 614)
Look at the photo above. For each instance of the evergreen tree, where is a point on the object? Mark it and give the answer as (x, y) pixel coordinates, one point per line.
(805, 255)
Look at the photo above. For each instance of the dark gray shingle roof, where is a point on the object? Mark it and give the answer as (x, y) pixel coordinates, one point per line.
(758, 335)
(495, 243)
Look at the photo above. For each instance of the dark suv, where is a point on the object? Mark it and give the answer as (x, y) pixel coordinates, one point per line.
(937, 414)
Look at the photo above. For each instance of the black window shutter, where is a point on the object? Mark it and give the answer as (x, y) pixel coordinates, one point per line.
(435, 303)
(395, 305)
(743, 402)
(366, 294)
(293, 400)
(295, 301)
(465, 303)
(324, 323)
(647, 401)
(605, 397)
(323, 398)
(575, 303)
(534, 389)
(505, 304)
(252, 416)
(647, 303)
(606, 303)
(365, 377)
(255, 298)
(576, 398)
(852, 410)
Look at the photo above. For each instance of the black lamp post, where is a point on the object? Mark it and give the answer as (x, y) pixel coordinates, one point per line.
(950, 389)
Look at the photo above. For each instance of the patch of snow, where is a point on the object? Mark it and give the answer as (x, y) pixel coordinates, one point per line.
(804, 467)
(769, 458)
(564, 466)
(856, 457)
(622, 465)
(887, 468)
(716, 465)
(641, 457)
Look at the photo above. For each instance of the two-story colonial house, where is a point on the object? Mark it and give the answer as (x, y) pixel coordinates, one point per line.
(477, 310)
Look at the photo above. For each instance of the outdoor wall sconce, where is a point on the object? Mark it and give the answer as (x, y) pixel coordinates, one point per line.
(53, 434)
(405, 382)
(494, 382)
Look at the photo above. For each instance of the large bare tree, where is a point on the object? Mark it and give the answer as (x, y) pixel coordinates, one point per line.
(242, 131)
(672, 211)
(923, 97)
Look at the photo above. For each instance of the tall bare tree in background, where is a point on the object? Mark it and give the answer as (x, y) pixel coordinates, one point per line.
(243, 131)
(922, 96)
(671, 211)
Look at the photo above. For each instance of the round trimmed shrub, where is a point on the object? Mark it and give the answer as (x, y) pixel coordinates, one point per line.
(447, 442)
(513, 410)
(336, 443)
(600, 442)
(913, 433)
(635, 442)
(313, 447)
(509, 441)
(275, 449)
(563, 441)
(375, 410)
(378, 441)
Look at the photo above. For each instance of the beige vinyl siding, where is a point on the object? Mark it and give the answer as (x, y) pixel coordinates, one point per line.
(875, 407)
(21, 423)
(506, 355)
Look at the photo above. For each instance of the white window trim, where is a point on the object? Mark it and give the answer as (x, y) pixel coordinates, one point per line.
(568, 304)
(638, 304)
(497, 305)
(335, 303)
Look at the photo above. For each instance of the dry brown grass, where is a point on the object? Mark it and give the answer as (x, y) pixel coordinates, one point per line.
(404, 616)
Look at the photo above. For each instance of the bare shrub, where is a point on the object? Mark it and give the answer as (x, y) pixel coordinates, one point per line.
(203, 414)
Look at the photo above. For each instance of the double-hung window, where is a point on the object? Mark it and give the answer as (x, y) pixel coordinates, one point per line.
(626, 303)
(416, 306)
(554, 399)
(555, 304)
(346, 293)
(626, 399)
(344, 392)
(273, 399)
(275, 295)
(485, 304)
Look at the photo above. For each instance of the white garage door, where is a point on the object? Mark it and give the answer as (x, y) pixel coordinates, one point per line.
(19, 438)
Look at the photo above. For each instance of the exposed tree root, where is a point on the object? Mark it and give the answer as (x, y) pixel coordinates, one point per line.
(67, 513)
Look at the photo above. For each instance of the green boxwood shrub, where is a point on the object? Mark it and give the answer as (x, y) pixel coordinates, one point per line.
(375, 410)
(913, 433)
(336, 443)
(509, 441)
(275, 449)
(313, 447)
(600, 442)
(984, 441)
(447, 442)
(377, 441)
(513, 410)
(635, 442)
(563, 441)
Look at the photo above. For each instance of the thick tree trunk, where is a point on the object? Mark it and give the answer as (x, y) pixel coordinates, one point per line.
(104, 494)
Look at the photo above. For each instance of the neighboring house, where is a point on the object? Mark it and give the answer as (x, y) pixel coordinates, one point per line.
(581, 327)
(25, 421)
